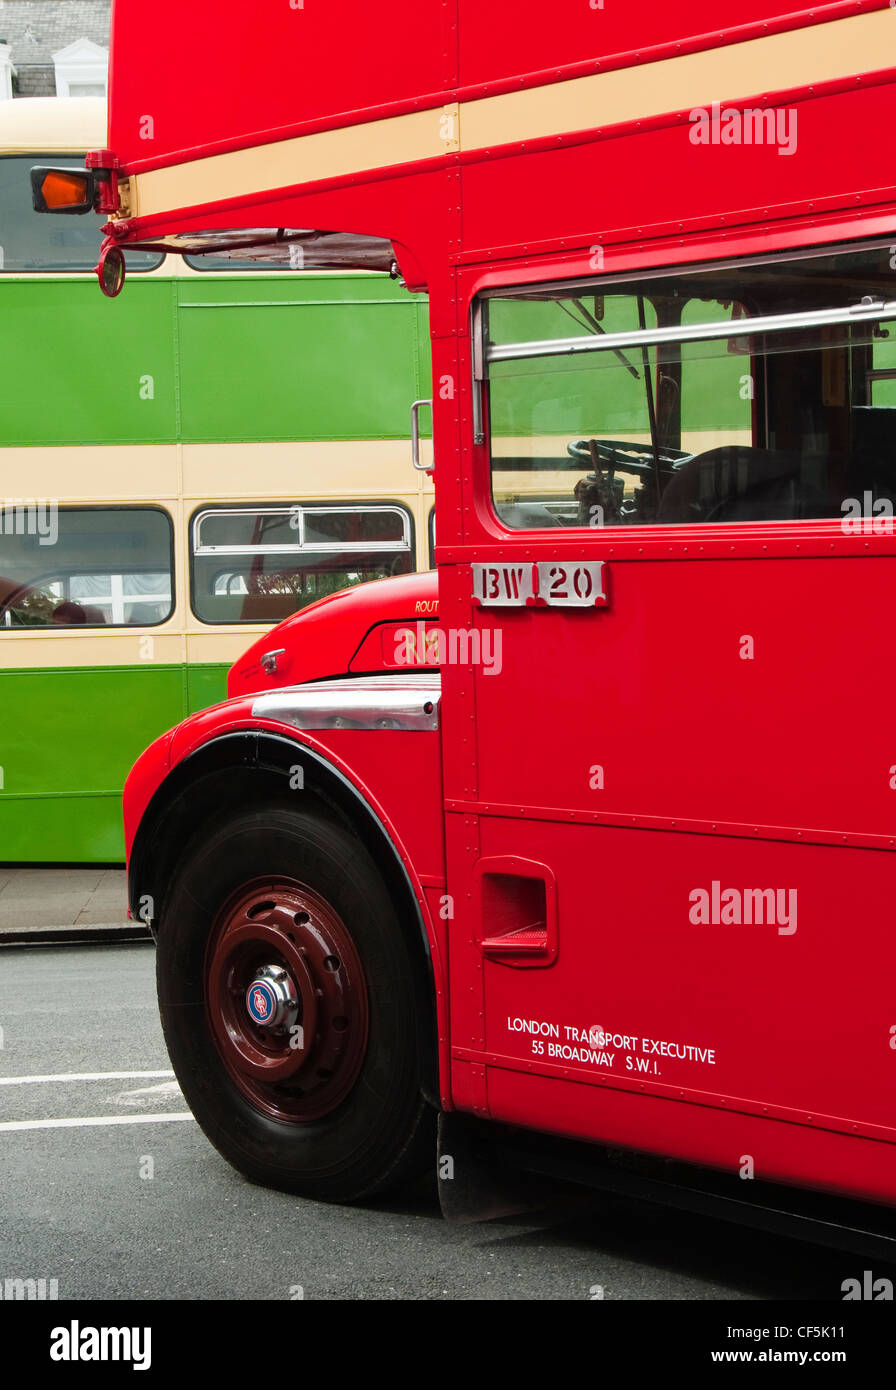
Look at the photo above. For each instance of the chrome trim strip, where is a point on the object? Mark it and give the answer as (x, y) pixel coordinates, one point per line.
(407, 702)
(733, 328)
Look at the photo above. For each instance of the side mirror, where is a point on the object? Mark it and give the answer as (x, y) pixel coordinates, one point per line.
(71, 191)
(111, 270)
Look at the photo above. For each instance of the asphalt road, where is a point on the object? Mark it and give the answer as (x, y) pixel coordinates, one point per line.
(77, 1203)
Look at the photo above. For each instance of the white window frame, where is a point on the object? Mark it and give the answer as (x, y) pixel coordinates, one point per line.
(7, 72)
(80, 63)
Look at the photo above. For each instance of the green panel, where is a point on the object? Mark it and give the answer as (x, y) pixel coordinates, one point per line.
(885, 360)
(263, 357)
(80, 729)
(77, 829)
(535, 395)
(885, 392)
(206, 685)
(338, 359)
(424, 362)
(550, 396)
(68, 740)
(69, 737)
(76, 365)
(715, 385)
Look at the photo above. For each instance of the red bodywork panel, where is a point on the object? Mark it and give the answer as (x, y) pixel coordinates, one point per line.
(364, 760)
(725, 1040)
(386, 769)
(338, 634)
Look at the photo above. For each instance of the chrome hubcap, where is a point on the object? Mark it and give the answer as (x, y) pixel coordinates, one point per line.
(272, 1000)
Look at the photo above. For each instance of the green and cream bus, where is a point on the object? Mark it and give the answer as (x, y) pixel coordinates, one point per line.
(180, 469)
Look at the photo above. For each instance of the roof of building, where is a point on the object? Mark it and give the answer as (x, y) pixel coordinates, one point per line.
(36, 29)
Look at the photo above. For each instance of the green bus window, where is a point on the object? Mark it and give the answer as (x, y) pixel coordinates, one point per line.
(235, 265)
(84, 566)
(30, 242)
(259, 565)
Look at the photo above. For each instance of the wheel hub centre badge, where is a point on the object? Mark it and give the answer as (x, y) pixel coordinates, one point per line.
(261, 1002)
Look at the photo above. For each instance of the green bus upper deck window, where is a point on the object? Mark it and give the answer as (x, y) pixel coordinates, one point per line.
(33, 242)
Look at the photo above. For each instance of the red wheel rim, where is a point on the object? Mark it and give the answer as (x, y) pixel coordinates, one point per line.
(288, 945)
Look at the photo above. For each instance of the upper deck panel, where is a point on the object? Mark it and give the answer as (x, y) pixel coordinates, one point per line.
(500, 39)
(287, 66)
(222, 73)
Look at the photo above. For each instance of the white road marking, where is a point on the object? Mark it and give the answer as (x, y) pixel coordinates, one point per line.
(167, 1088)
(94, 1121)
(148, 1095)
(83, 1076)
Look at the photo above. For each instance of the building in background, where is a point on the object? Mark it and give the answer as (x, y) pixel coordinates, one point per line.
(54, 48)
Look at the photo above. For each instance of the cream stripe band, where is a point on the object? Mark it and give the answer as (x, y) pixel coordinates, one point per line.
(790, 60)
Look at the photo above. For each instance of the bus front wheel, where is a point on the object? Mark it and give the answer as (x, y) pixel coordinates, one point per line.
(291, 1006)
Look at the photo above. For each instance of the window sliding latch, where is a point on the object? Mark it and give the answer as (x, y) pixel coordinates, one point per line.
(869, 303)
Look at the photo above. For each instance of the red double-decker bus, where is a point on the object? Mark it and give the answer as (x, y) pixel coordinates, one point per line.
(584, 845)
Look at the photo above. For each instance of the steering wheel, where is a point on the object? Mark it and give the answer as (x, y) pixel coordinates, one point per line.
(627, 457)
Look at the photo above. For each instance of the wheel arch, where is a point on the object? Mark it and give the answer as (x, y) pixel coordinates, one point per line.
(255, 767)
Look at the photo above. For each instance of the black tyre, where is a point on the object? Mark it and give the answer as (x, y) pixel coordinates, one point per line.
(293, 1007)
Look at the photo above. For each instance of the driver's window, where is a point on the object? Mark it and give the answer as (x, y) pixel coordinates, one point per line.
(544, 411)
(551, 420)
(738, 392)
